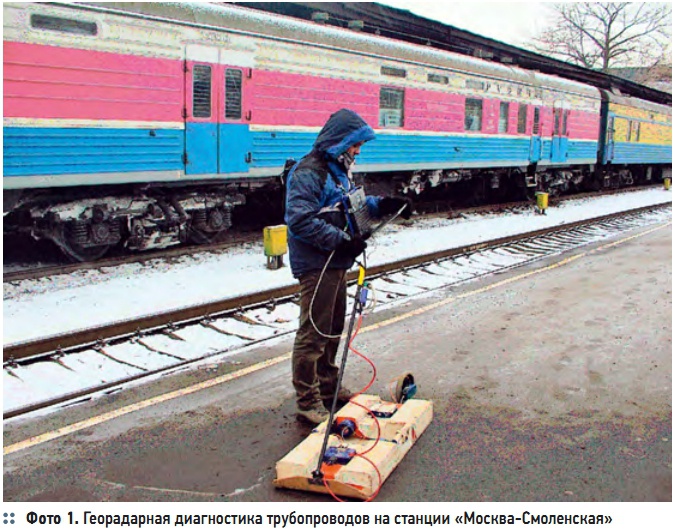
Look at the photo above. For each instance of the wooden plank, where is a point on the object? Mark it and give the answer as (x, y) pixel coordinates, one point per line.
(363, 475)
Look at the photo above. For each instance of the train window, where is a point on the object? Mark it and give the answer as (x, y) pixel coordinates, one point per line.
(504, 110)
(436, 78)
(233, 79)
(391, 107)
(395, 72)
(473, 120)
(522, 119)
(475, 85)
(65, 25)
(633, 131)
(537, 121)
(201, 91)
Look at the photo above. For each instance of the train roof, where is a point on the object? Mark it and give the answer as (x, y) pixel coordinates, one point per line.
(258, 22)
(402, 25)
(638, 103)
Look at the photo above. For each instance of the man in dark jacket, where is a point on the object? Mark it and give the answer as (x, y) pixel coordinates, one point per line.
(322, 250)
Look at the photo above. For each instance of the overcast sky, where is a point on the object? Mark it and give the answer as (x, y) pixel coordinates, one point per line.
(514, 23)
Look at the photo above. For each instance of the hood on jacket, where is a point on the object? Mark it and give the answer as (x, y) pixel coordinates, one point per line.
(342, 130)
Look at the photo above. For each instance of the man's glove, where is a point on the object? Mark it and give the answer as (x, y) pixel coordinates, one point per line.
(391, 205)
(352, 246)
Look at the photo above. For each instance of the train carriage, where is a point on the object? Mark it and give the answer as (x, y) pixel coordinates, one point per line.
(146, 124)
(636, 138)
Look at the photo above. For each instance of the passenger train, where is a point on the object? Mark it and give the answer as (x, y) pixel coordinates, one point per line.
(145, 125)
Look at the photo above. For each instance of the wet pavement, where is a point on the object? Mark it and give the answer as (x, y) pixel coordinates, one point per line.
(553, 387)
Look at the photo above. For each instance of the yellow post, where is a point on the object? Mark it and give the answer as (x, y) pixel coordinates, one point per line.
(541, 201)
(275, 245)
(668, 183)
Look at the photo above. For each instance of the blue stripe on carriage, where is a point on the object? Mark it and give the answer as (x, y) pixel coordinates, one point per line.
(579, 152)
(54, 151)
(582, 150)
(271, 149)
(634, 153)
(57, 151)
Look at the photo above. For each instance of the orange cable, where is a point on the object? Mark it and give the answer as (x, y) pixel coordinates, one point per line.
(361, 455)
(371, 497)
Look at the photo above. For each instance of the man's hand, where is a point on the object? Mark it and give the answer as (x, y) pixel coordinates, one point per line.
(391, 205)
(352, 246)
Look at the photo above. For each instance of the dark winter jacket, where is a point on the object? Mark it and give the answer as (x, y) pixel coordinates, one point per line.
(317, 183)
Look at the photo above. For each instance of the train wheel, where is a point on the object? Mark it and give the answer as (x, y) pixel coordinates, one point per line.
(207, 225)
(74, 251)
(82, 254)
(199, 237)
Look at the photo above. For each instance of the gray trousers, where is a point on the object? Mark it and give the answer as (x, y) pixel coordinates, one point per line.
(314, 370)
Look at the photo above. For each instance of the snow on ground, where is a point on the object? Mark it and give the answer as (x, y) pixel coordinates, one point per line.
(51, 306)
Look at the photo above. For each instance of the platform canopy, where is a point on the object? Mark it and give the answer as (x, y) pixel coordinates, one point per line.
(370, 17)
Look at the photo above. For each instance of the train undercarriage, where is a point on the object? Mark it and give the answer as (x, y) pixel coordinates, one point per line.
(85, 223)
(85, 227)
(472, 187)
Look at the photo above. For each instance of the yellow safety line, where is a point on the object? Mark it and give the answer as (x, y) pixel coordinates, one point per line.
(69, 429)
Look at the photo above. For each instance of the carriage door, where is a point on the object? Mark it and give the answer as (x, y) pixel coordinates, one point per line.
(536, 146)
(200, 112)
(235, 140)
(217, 135)
(610, 139)
(560, 136)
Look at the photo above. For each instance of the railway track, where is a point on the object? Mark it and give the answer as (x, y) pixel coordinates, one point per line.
(35, 272)
(122, 352)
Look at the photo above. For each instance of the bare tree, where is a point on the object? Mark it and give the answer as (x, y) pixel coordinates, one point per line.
(608, 34)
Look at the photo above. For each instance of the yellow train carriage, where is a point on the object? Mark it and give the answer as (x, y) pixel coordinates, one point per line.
(637, 132)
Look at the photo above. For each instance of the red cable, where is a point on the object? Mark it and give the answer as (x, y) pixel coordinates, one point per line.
(374, 377)
(370, 498)
(354, 350)
(376, 420)
(376, 492)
